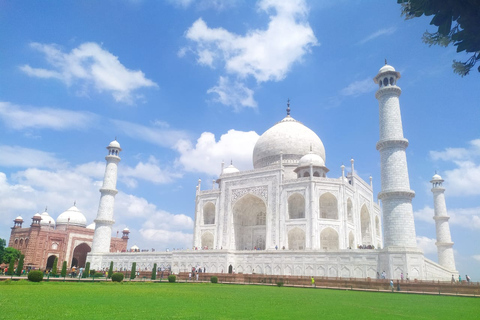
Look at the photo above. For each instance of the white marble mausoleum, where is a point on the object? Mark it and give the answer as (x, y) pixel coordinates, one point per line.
(288, 216)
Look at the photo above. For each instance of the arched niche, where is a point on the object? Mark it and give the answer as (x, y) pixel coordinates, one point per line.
(329, 239)
(351, 240)
(328, 206)
(349, 210)
(207, 240)
(209, 213)
(296, 206)
(296, 239)
(365, 226)
(249, 221)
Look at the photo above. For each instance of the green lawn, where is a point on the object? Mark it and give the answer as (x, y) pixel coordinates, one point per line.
(58, 300)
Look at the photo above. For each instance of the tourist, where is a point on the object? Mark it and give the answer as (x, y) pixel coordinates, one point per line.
(378, 275)
(398, 285)
(384, 274)
(313, 281)
(468, 278)
(453, 279)
(196, 275)
(407, 277)
(190, 276)
(460, 279)
(391, 284)
(401, 276)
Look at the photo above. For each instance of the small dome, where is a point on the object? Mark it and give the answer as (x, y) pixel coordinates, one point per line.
(386, 68)
(19, 218)
(134, 247)
(230, 169)
(76, 218)
(47, 220)
(126, 230)
(311, 158)
(288, 137)
(436, 177)
(37, 216)
(91, 226)
(114, 144)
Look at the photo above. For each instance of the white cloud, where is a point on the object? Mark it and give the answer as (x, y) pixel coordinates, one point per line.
(463, 179)
(149, 171)
(91, 66)
(157, 136)
(464, 217)
(427, 245)
(266, 55)
(476, 257)
(379, 33)
(160, 228)
(207, 155)
(21, 117)
(426, 214)
(234, 94)
(357, 88)
(15, 156)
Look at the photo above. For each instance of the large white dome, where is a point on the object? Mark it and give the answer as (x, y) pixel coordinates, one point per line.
(76, 218)
(290, 138)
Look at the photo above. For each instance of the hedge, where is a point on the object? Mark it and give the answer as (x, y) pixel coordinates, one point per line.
(35, 276)
(117, 277)
(172, 278)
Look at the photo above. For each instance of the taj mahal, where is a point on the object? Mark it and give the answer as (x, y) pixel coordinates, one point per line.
(287, 216)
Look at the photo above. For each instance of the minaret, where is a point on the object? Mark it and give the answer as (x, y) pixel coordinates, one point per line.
(396, 196)
(444, 240)
(104, 220)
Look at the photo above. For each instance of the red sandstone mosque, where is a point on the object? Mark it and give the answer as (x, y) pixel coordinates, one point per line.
(68, 238)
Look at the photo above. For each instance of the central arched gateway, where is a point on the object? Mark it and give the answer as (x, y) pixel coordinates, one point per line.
(80, 255)
(249, 220)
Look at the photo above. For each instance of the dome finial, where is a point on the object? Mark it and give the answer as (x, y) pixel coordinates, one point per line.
(288, 106)
(385, 61)
(75, 203)
(45, 208)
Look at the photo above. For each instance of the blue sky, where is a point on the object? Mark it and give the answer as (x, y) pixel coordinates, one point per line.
(185, 84)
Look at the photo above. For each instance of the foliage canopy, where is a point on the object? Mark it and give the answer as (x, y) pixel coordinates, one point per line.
(9, 254)
(458, 22)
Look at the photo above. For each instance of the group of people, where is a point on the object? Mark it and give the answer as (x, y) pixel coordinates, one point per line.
(195, 271)
(467, 278)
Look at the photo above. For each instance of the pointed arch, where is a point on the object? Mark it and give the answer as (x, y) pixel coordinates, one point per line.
(249, 221)
(328, 206)
(79, 257)
(365, 226)
(296, 206)
(329, 239)
(207, 240)
(209, 213)
(296, 239)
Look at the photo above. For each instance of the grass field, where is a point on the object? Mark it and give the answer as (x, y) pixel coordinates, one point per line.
(59, 300)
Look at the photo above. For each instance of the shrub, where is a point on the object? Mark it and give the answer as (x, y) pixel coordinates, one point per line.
(86, 272)
(35, 276)
(20, 265)
(279, 284)
(117, 277)
(92, 272)
(134, 271)
(172, 278)
(54, 268)
(154, 271)
(98, 274)
(63, 273)
(214, 279)
(110, 270)
(11, 267)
